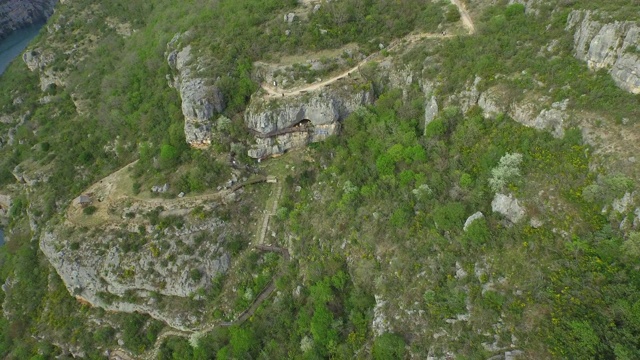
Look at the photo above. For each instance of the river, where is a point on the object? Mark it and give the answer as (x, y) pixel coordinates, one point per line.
(11, 47)
(15, 43)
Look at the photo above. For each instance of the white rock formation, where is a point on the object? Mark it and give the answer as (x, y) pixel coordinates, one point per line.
(508, 206)
(612, 46)
(471, 219)
(201, 100)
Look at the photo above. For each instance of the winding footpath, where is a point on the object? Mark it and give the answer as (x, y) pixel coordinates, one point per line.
(467, 22)
(464, 15)
(268, 214)
(262, 296)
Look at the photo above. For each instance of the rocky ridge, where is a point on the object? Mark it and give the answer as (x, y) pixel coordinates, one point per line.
(132, 269)
(126, 281)
(38, 60)
(534, 111)
(613, 46)
(17, 14)
(290, 122)
(201, 100)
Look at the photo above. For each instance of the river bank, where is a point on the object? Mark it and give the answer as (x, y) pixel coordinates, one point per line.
(12, 46)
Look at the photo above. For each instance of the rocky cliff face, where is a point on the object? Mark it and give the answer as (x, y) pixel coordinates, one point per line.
(38, 60)
(16, 14)
(612, 46)
(201, 99)
(131, 270)
(294, 121)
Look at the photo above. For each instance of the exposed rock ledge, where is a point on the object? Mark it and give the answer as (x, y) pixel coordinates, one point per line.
(201, 99)
(508, 206)
(100, 270)
(290, 122)
(39, 60)
(614, 46)
(534, 111)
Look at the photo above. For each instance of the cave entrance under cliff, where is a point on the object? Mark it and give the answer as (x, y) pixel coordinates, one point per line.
(304, 123)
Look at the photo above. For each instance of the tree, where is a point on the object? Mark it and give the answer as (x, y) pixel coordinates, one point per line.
(242, 341)
(168, 156)
(631, 247)
(508, 168)
(435, 128)
(452, 14)
(388, 346)
(321, 328)
(449, 216)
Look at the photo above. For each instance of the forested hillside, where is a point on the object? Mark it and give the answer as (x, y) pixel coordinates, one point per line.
(251, 179)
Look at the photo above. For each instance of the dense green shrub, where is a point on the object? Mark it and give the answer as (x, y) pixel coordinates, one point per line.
(388, 346)
(89, 210)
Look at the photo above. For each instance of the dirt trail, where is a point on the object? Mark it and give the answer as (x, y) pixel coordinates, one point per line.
(464, 15)
(152, 354)
(262, 233)
(411, 38)
(113, 190)
(275, 92)
(270, 208)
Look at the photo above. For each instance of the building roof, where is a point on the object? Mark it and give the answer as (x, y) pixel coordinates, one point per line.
(83, 199)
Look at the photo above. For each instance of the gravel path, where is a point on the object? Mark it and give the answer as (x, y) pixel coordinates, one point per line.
(466, 21)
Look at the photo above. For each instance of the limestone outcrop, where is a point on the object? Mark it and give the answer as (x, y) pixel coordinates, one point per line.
(201, 99)
(17, 14)
(39, 60)
(535, 111)
(552, 119)
(613, 46)
(508, 206)
(476, 216)
(128, 270)
(293, 121)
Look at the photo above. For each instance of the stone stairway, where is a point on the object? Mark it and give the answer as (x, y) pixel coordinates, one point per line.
(262, 233)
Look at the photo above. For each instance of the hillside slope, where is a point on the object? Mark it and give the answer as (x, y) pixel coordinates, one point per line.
(344, 179)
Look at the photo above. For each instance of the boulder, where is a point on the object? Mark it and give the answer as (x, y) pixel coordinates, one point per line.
(624, 203)
(508, 206)
(5, 204)
(470, 96)
(430, 111)
(36, 59)
(324, 107)
(529, 112)
(101, 272)
(492, 103)
(380, 323)
(471, 219)
(289, 18)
